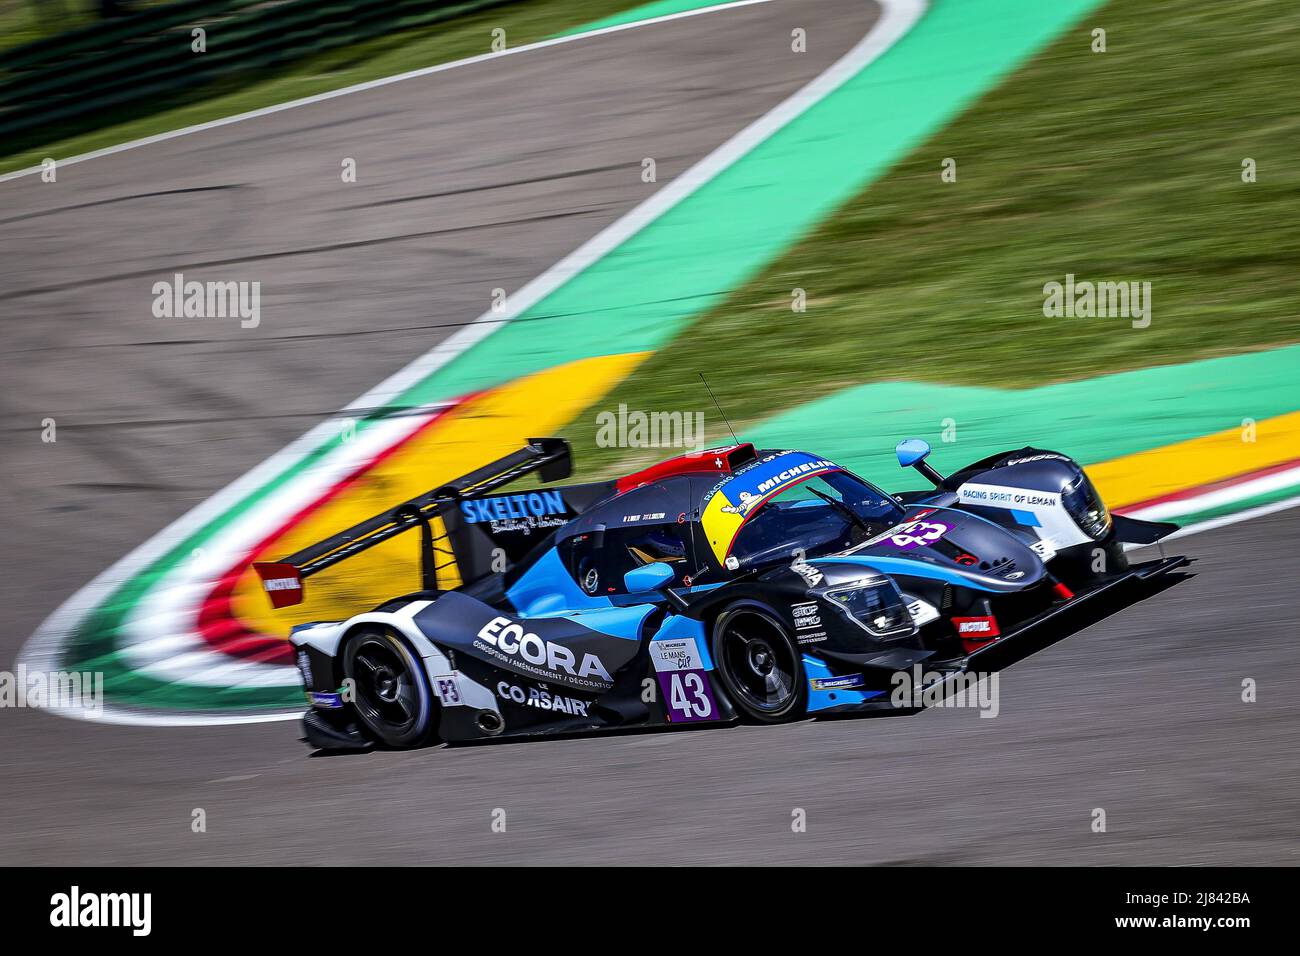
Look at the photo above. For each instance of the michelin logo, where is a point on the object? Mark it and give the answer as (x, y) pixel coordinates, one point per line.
(798, 471)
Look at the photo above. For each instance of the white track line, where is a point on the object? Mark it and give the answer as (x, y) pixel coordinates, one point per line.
(375, 84)
(1223, 496)
(1256, 512)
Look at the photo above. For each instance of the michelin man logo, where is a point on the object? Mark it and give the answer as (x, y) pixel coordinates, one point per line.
(747, 501)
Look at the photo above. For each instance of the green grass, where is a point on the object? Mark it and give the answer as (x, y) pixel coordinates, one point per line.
(465, 36)
(1124, 165)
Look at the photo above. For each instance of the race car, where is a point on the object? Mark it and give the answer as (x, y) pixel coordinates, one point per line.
(732, 584)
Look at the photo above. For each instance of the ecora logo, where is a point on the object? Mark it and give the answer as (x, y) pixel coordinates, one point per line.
(511, 639)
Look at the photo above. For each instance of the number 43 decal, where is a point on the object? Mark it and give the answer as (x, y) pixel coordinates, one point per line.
(688, 696)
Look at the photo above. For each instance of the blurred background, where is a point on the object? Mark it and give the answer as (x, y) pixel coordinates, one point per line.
(470, 223)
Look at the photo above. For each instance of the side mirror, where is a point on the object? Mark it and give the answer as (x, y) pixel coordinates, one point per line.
(911, 450)
(648, 577)
(911, 453)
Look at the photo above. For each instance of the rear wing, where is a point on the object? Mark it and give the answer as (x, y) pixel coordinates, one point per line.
(282, 580)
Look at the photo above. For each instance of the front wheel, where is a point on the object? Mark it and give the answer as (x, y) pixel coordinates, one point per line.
(392, 698)
(759, 664)
(1089, 564)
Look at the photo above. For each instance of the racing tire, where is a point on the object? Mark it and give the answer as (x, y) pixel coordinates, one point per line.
(393, 698)
(759, 664)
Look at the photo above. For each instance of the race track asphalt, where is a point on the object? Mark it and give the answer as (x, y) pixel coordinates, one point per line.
(1139, 714)
(481, 178)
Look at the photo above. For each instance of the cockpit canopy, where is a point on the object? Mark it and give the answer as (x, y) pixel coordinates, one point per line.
(783, 505)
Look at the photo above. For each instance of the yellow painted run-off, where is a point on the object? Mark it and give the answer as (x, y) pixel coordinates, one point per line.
(476, 431)
(1197, 462)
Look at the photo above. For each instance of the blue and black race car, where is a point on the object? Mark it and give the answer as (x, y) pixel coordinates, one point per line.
(735, 583)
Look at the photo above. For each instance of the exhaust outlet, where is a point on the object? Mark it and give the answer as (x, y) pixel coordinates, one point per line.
(490, 722)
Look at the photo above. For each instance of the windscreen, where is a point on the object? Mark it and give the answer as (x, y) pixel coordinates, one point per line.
(819, 515)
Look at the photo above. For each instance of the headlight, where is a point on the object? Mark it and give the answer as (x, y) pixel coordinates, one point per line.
(875, 605)
(1085, 506)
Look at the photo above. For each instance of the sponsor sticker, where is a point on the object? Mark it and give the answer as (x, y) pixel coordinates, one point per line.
(536, 504)
(677, 654)
(447, 687)
(679, 669)
(507, 641)
(326, 699)
(918, 534)
(1043, 549)
(743, 506)
(811, 576)
(848, 682)
(806, 616)
(922, 611)
(542, 699)
(1047, 456)
(1040, 510)
(977, 627)
(522, 514)
(999, 496)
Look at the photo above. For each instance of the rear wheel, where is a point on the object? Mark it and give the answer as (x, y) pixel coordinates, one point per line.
(759, 664)
(392, 698)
